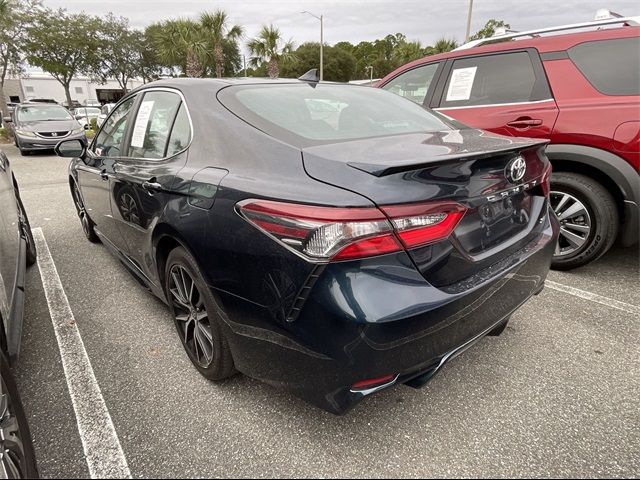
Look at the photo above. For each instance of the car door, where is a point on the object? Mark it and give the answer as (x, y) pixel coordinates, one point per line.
(142, 185)
(9, 238)
(505, 92)
(96, 172)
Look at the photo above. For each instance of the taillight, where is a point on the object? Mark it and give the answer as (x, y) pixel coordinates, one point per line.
(328, 233)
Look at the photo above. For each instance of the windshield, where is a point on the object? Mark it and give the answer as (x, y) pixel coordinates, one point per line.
(326, 113)
(42, 113)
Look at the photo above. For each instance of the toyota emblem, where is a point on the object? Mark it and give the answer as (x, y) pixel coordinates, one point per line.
(516, 169)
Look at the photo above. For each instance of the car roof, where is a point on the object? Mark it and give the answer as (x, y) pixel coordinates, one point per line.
(544, 44)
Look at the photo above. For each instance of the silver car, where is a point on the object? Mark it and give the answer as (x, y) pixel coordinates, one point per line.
(40, 126)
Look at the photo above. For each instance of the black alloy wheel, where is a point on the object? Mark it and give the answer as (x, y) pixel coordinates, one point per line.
(196, 317)
(85, 220)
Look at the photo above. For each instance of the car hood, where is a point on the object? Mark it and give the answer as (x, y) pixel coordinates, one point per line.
(49, 126)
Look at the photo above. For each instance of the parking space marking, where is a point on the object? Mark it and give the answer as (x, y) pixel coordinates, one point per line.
(100, 442)
(594, 297)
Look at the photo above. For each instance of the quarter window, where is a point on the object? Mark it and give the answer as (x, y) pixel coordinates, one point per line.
(611, 66)
(153, 124)
(109, 140)
(489, 80)
(181, 133)
(413, 84)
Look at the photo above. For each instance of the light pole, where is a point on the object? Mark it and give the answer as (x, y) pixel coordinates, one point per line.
(466, 37)
(244, 62)
(370, 68)
(321, 18)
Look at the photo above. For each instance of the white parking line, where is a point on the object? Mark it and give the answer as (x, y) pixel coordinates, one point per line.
(100, 442)
(594, 297)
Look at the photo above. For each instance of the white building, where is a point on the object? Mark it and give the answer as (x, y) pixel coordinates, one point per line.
(43, 85)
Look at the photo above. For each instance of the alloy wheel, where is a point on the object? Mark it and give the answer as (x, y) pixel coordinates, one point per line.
(12, 459)
(191, 316)
(575, 223)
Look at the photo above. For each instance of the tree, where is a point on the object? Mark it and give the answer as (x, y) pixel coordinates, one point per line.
(339, 65)
(120, 51)
(219, 35)
(64, 45)
(15, 18)
(443, 45)
(268, 47)
(489, 29)
(406, 52)
(180, 43)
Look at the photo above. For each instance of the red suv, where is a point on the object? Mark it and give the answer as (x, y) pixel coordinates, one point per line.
(581, 91)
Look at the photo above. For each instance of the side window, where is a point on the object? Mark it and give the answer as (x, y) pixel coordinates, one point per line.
(413, 84)
(153, 124)
(490, 80)
(181, 133)
(108, 143)
(611, 66)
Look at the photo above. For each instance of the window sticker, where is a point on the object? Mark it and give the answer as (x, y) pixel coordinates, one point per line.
(142, 121)
(461, 84)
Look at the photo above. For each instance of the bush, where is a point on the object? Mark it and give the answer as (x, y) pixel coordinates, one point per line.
(4, 135)
(90, 134)
(93, 123)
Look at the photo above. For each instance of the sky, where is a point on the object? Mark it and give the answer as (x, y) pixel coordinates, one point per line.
(358, 20)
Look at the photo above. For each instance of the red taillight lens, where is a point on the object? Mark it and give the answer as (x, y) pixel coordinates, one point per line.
(326, 233)
(420, 224)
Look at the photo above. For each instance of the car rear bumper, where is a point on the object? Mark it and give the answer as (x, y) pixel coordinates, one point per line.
(29, 143)
(381, 318)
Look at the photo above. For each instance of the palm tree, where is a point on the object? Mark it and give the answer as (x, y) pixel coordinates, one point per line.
(443, 45)
(406, 52)
(215, 26)
(269, 47)
(181, 42)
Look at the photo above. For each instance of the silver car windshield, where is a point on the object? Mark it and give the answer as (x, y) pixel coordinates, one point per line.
(42, 113)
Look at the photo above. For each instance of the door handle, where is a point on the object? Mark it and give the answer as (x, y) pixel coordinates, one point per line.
(151, 186)
(104, 175)
(525, 123)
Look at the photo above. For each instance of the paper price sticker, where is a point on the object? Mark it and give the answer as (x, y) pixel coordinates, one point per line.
(461, 84)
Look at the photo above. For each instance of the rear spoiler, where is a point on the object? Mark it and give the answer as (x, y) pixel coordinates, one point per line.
(381, 169)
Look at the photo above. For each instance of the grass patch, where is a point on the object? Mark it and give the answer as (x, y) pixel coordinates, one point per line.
(4, 136)
(90, 133)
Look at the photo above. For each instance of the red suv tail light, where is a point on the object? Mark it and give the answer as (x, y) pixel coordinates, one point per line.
(328, 233)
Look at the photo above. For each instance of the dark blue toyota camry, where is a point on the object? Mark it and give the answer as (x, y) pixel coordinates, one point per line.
(334, 240)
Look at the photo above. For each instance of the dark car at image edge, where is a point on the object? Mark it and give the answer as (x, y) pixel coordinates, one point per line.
(329, 239)
(576, 85)
(17, 251)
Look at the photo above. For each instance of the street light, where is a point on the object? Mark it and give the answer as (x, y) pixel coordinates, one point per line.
(370, 68)
(321, 18)
(466, 37)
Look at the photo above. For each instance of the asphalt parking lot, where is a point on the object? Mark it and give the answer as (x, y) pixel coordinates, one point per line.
(555, 395)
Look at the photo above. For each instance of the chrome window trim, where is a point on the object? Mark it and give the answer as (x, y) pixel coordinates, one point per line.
(495, 105)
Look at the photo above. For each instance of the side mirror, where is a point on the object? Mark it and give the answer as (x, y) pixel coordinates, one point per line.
(7, 120)
(71, 149)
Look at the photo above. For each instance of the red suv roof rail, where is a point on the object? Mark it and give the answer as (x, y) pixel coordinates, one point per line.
(635, 21)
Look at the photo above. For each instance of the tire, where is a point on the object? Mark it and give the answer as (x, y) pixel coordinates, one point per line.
(19, 459)
(88, 227)
(32, 254)
(197, 311)
(584, 237)
(24, 153)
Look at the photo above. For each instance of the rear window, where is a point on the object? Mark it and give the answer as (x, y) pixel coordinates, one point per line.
(611, 66)
(327, 113)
